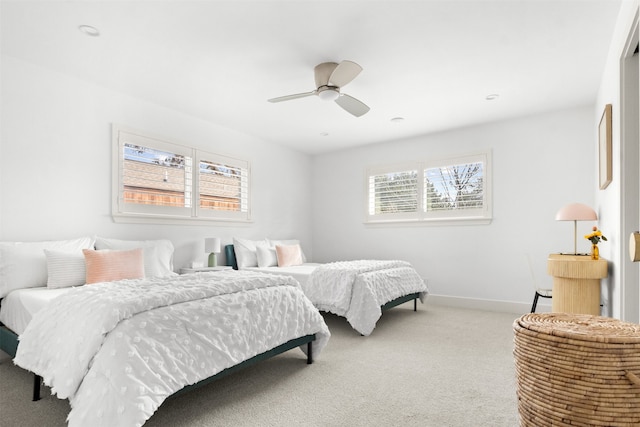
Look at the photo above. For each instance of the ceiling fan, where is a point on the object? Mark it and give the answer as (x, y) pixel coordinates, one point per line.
(330, 77)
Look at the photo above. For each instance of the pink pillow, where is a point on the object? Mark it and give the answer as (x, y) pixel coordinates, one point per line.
(288, 255)
(109, 265)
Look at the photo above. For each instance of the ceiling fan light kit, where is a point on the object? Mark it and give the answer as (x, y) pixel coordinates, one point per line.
(328, 93)
(330, 77)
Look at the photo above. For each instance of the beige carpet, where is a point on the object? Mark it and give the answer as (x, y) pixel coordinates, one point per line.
(439, 366)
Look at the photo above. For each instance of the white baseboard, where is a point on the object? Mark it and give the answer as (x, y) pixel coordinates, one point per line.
(487, 305)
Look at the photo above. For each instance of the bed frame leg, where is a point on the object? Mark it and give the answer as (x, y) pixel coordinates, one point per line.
(37, 379)
(415, 304)
(309, 352)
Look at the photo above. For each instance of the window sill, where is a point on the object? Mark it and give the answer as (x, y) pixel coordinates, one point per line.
(169, 220)
(428, 222)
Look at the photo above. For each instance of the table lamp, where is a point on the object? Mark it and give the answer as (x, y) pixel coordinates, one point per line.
(212, 247)
(576, 212)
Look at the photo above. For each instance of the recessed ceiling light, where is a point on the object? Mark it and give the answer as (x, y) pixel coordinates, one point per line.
(492, 97)
(397, 120)
(89, 30)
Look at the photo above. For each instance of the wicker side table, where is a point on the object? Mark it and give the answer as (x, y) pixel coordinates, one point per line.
(576, 283)
(577, 369)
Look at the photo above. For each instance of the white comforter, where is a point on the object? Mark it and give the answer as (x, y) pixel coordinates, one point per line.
(357, 289)
(118, 349)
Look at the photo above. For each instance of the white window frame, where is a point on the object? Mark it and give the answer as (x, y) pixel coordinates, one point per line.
(189, 214)
(422, 216)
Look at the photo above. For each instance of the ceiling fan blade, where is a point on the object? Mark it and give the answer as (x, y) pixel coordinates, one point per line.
(352, 105)
(344, 73)
(289, 97)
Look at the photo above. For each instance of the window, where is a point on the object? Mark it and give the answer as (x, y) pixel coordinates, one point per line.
(393, 192)
(223, 186)
(155, 179)
(436, 190)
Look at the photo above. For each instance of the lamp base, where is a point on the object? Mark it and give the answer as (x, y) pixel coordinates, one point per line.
(212, 260)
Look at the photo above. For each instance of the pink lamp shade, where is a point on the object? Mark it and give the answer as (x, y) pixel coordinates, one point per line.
(576, 212)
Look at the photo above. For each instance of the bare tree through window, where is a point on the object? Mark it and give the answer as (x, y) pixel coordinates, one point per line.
(454, 187)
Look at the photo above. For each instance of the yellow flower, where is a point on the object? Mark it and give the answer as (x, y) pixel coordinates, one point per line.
(596, 236)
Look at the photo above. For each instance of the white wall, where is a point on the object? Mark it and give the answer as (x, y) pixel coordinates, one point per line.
(609, 201)
(55, 183)
(55, 168)
(540, 163)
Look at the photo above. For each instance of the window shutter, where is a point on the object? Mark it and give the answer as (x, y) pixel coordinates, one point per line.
(393, 192)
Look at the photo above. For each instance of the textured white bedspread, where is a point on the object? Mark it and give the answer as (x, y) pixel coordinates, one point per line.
(118, 349)
(357, 289)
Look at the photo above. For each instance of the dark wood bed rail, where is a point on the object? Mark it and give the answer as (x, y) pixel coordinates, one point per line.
(401, 300)
(296, 342)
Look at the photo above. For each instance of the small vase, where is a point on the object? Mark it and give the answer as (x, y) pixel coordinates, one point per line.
(595, 252)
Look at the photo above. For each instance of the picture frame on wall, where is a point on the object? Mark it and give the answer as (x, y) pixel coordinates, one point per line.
(604, 148)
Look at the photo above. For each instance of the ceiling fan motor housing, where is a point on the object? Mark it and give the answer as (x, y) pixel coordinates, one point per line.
(328, 93)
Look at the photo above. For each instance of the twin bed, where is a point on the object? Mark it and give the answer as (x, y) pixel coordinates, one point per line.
(356, 290)
(117, 348)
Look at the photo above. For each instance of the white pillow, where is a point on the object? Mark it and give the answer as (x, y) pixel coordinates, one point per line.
(266, 256)
(290, 242)
(65, 269)
(245, 250)
(158, 254)
(24, 264)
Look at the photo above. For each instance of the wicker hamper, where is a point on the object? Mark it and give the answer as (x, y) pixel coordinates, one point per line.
(577, 370)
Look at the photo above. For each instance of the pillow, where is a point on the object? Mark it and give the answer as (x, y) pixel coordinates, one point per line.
(157, 263)
(65, 269)
(109, 265)
(24, 264)
(246, 251)
(266, 256)
(274, 243)
(288, 255)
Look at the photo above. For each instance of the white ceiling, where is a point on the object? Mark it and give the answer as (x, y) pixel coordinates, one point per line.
(431, 62)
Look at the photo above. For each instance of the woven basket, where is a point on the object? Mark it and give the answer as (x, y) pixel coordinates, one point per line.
(577, 370)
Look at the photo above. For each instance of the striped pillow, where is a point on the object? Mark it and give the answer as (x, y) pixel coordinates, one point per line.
(109, 265)
(65, 269)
